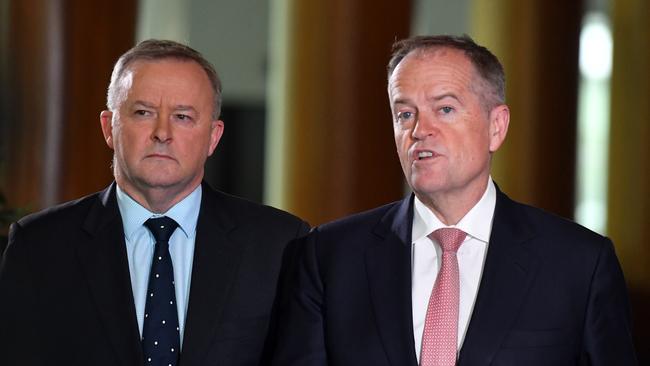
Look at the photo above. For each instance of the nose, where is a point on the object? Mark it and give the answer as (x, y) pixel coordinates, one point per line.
(162, 129)
(425, 126)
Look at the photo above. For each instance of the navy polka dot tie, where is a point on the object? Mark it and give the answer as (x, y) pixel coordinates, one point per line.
(160, 332)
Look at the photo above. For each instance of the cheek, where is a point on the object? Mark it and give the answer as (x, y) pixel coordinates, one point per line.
(130, 136)
(472, 144)
(197, 147)
(118, 142)
(402, 141)
(473, 154)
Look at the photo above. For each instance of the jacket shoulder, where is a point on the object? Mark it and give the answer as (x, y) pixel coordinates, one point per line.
(243, 210)
(550, 227)
(360, 224)
(62, 214)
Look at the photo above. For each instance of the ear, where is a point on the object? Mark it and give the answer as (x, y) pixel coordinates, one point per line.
(216, 131)
(106, 120)
(499, 121)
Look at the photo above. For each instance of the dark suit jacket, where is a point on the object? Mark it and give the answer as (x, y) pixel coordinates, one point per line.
(551, 293)
(65, 291)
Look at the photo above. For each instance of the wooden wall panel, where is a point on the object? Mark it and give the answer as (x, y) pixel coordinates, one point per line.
(629, 169)
(97, 33)
(537, 41)
(23, 120)
(341, 154)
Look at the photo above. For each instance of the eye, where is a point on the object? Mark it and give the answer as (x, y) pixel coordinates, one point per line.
(183, 117)
(405, 116)
(142, 112)
(446, 110)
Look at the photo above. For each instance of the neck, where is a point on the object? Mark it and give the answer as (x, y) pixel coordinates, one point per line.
(451, 206)
(157, 199)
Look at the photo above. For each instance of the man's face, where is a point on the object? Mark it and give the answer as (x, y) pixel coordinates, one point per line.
(443, 132)
(163, 130)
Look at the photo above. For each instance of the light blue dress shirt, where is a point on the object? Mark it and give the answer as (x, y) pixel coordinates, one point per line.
(140, 246)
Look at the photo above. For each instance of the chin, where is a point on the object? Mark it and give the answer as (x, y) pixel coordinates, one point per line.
(425, 183)
(160, 181)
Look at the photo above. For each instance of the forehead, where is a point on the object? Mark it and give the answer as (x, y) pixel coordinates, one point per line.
(439, 68)
(167, 77)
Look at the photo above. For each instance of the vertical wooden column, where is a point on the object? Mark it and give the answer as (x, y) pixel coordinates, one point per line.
(537, 41)
(629, 169)
(97, 33)
(59, 56)
(339, 153)
(25, 97)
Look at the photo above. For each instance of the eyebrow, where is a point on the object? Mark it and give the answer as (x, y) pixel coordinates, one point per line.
(184, 108)
(443, 96)
(402, 101)
(144, 104)
(435, 98)
(180, 107)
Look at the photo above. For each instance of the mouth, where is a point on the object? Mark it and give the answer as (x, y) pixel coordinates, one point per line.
(158, 156)
(422, 155)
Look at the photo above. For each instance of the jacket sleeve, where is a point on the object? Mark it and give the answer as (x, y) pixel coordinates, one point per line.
(300, 336)
(607, 338)
(18, 310)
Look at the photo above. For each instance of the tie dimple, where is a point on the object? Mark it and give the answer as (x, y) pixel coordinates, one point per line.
(440, 335)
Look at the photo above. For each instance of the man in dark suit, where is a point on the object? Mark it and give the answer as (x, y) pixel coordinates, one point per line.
(456, 273)
(75, 281)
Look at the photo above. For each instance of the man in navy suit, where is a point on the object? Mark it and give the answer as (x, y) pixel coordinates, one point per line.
(517, 286)
(75, 279)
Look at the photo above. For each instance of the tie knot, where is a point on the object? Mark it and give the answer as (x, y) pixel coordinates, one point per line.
(162, 228)
(450, 239)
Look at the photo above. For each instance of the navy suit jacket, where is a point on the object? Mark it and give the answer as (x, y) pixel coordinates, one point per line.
(551, 293)
(66, 297)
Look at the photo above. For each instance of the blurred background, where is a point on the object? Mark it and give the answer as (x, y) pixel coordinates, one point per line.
(308, 126)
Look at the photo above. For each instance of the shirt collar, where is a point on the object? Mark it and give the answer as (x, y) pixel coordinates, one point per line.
(185, 212)
(477, 223)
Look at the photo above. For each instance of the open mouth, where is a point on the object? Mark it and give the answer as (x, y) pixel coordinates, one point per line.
(424, 155)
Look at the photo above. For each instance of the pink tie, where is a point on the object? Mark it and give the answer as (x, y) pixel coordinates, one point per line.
(440, 335)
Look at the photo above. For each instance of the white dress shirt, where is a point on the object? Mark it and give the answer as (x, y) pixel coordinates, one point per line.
(140, 245)
(425, 254)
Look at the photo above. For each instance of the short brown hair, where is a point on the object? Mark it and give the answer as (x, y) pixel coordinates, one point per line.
(486, 64)
(153, 50)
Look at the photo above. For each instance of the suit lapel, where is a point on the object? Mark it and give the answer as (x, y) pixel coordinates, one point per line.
(388, 266)
(216, 260)
(508, 273)
(104, 260)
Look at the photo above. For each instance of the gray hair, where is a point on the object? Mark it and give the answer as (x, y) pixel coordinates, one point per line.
(486, 64)
(153, 50)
